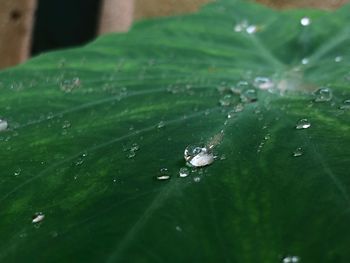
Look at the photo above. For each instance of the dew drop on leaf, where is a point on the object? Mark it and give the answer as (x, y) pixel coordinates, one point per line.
(196, 156)
(163, 174)
(252, 29)
(226, 100)
(298, 152)
(305, 61)
(17, 171)
(38, 217)
(184, 172)
(323, 95)
(345, 105)
(303, 124)
(3, 125)
(249, 95)
(305, 21)
(263, 83)
(338, 59)
(161, 124)
(290, 259)
(196, 179)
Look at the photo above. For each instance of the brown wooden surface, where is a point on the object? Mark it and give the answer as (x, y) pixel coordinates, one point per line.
(16, 22)
(322, 4)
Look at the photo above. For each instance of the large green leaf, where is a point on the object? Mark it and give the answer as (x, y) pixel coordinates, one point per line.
(91, 128)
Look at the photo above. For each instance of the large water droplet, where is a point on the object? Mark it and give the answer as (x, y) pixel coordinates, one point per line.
(303, 124)
(163, 174)
(38, 217)
(298, 152)
(196, 156)
(184, 172)
(3, 125)
(323, 95)
(290, 259)
(305, 21)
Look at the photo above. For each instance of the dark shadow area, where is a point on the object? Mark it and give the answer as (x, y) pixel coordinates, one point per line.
(64, 23)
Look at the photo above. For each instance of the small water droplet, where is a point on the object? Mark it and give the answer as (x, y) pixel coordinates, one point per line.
(184, 172)
(305, 21)
(70, 84)
(249, 95)
(161, 124)
(226, 100)
(290, 259)
(163, 174)
(196, 156)
(303, 124)
(38, 217)
(305, 61)
(178, 228)
(346, 105)
(241, 26)
(263, 83)
(3, 125)
(323, 94)
(196, 179)
(66, 125)
(338, 59)
(252, 29)
(17, 171)
(298, 152)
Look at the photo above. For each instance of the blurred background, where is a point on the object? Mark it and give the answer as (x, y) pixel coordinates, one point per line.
(30, 27)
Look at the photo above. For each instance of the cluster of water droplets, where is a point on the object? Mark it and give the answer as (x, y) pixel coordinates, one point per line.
(132, 150)
(291, 259)
(68, 85)
(244, 26)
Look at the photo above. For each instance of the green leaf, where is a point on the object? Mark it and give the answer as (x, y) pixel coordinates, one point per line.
(90, 129)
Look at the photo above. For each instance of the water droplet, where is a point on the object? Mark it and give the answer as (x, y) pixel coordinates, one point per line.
(249, 95)
(305, 21)
(81, 160)
(17, 171)
(66, 125)
(252, 29)
(38, 217)
(184, 172)
(196, 179)
(290, 259)
(132, 150)
(263, 83)
(305, 61)
(161, 124)
(303, 124)
(346, 105)
(69, 85)
(196, 156)
(3, 125)
(226, 100)
(323, 95)
(241, 26)
(338, 59)
(178, 228)
(163, 174)
(298, 152)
